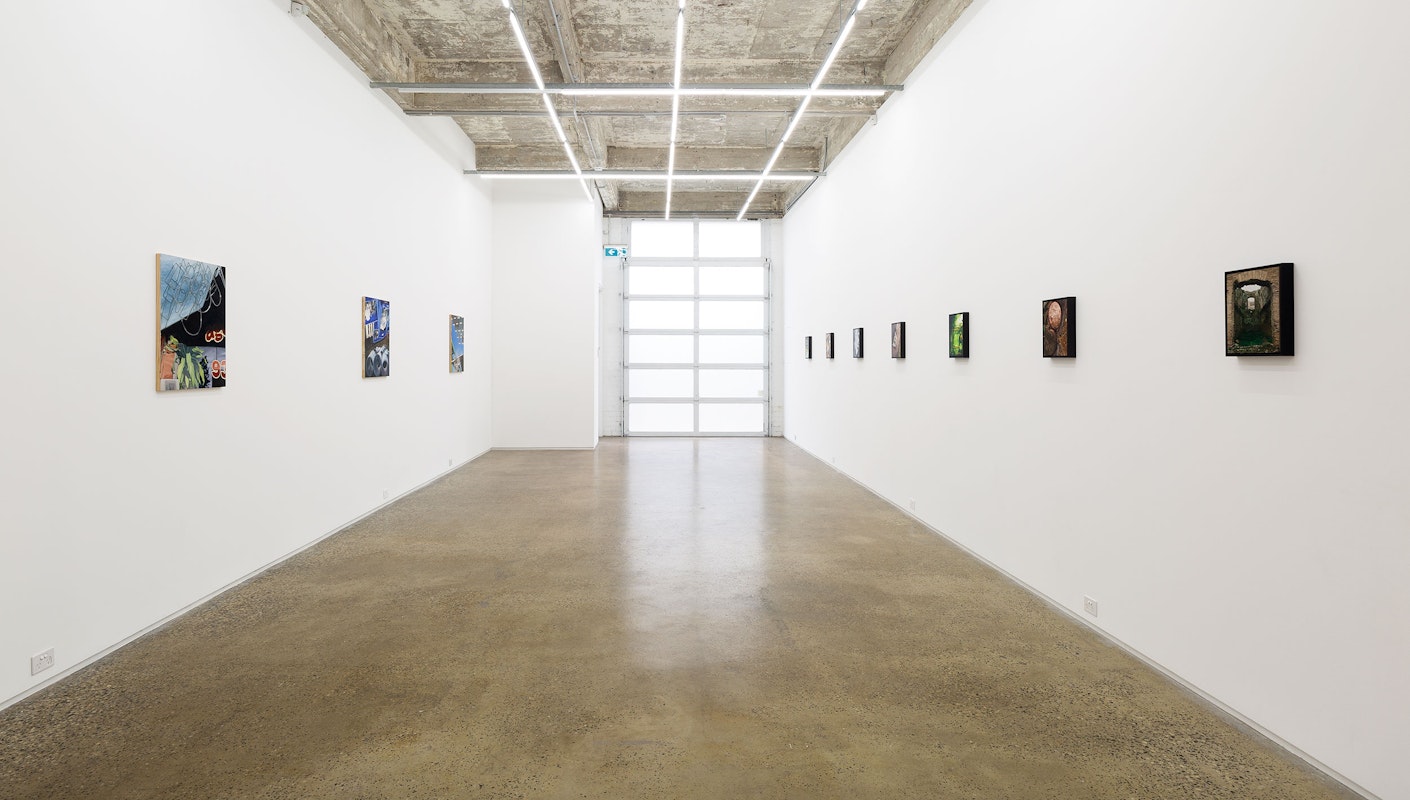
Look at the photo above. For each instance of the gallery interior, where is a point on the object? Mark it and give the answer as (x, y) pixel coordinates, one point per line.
(1112, 560)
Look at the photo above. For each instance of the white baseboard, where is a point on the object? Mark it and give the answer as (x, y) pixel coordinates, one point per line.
(1228, 712)
(56, 678)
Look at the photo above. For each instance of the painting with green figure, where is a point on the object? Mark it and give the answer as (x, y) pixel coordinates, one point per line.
(1258, 311)
(191, 338)
(959, 335)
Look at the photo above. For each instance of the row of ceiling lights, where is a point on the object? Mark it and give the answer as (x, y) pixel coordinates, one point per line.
(677, 91)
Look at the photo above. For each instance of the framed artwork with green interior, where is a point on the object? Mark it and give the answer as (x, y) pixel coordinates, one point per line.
(959, 335)
(1258, 311)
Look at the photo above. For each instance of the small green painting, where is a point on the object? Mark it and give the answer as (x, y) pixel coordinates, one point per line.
(959, 335)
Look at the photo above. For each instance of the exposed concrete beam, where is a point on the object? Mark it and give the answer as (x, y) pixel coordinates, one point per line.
(628, 106)
(364, 38)
(713, 159)
(690, 90)
(716, 204)
(450, 112)
(559, 27)
(935, 19)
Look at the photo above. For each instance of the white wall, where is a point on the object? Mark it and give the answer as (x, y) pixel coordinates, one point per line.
(547, 251)
(1243, 522)
(232, 133)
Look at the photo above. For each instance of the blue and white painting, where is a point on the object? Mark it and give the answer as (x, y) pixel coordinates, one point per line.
(457, 343)
(190, 324)
(376, 338)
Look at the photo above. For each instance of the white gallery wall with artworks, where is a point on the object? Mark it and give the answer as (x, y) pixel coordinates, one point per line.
(1240, 520)
(206, 254)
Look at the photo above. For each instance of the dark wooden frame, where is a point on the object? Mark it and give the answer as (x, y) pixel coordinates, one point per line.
(1281, 316)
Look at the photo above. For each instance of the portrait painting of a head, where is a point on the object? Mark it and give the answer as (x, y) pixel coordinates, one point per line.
(1060, 328)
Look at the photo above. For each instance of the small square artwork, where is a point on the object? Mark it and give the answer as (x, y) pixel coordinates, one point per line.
(807, 347)
(959, 335)
(457, 343)
(376, 338)
(1258, 311)
(190, 324)
(898, 340)
(827, 346)
(1060, 328)
(856, 343)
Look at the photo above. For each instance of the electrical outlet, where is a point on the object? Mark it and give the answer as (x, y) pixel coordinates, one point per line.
(386, 493)
(450, 462)
(913, 504)
(41, 661)
(1089, 605)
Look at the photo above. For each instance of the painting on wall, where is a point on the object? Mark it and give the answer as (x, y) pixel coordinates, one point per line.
(959, 335)
(1258, 311)
(457, 343)
(376, 338)
(190, 324)
(807, 347)
(898, 340)
(827, 346)
(1060, 328)
(856, 343)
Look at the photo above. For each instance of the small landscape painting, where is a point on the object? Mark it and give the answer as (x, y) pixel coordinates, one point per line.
(1258, 311)
(959, 335)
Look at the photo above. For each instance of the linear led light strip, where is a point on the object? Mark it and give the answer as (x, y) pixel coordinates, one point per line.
(547, 101)
(675, 104)
(803, 106)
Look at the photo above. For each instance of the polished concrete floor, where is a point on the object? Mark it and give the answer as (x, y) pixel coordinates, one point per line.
(656, 619)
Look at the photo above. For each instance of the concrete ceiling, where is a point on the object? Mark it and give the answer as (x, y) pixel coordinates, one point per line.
(433, 43)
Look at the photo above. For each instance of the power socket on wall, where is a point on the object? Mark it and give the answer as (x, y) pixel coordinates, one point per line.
(1089, 605)
(41, 661)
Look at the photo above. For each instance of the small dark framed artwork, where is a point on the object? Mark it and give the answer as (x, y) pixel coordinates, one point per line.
(1258, 311)
(827, 346)
(1060, 328)
(856, 343)
(959, 335)
(807, 347)
(898, 340)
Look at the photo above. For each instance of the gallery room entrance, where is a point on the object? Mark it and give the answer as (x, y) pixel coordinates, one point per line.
(696, 311)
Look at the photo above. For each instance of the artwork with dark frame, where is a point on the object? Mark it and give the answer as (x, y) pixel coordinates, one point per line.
(827, 346)
(959, 335)
(898, 340)
(1060, 328)
(376, 338)
(808, 347)
(1258, 311)
(856, 343)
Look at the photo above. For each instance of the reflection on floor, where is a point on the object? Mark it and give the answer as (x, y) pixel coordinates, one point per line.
(660, 618)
